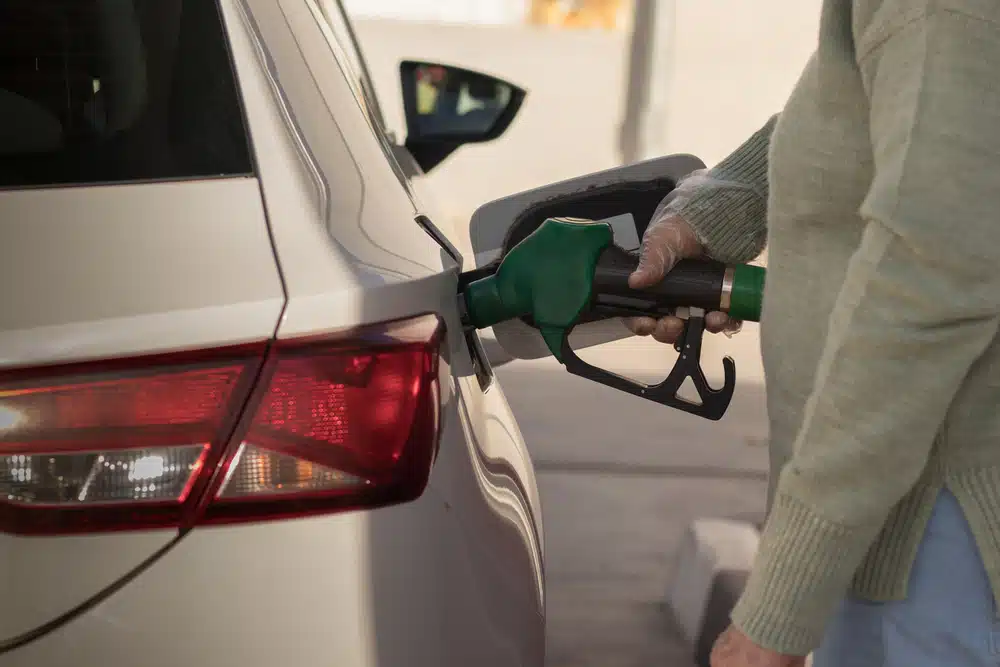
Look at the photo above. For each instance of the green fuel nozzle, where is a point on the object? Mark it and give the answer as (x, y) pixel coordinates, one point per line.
(569, 272)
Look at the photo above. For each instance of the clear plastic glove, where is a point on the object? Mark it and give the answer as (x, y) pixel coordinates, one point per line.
(669, 239)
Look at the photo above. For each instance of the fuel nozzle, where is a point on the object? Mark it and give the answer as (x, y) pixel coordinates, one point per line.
(568, 272)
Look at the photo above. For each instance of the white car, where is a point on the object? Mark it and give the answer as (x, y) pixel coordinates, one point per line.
(240, 422)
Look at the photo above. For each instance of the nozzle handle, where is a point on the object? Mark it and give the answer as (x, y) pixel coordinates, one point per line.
(695, 283)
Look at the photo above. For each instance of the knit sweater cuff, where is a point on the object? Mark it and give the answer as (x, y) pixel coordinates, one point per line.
(803, 570)
(730, 223)
(728, 206)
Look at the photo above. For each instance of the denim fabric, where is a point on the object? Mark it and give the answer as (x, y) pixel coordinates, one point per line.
(948, 618)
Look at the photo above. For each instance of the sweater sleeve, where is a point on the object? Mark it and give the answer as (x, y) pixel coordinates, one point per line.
(727, 207)
(921, 302)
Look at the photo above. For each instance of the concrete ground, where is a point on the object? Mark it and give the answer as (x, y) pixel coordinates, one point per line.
(620, 479)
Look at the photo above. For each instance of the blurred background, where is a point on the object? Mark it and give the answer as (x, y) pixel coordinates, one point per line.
(611, 82)
(721, 68)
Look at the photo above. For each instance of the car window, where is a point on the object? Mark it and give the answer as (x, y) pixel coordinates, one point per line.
(132, 90)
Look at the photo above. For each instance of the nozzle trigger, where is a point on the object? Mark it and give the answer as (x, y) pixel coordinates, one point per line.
(713, 402)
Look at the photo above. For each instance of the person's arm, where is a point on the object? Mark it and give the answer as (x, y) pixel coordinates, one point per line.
(919, 306)
(721, 212)
(727, 204)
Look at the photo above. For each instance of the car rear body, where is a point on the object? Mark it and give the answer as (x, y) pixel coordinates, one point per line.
(313, 237)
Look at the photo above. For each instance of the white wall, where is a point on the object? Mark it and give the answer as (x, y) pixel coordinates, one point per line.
(567, 126)
(734, 64)
(448, 11)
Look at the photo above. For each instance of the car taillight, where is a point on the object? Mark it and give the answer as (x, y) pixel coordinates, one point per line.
(236, 434)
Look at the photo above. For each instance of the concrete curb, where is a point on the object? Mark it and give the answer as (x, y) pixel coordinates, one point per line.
(714, 562)
(715, 559)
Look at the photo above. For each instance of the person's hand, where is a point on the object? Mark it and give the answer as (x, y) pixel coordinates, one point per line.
(667, 241)
(735, 649)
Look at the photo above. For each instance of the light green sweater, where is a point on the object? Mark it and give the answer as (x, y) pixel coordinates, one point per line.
(877, 190)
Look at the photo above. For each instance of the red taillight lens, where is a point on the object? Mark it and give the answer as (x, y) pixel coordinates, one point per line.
(336, 426)
(221, 436)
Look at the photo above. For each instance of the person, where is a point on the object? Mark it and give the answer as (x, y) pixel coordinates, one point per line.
(876, 189)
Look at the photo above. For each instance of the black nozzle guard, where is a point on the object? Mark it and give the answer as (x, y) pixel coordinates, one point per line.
(714, 402)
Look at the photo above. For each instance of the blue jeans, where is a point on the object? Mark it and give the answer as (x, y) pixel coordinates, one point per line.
(948, 618)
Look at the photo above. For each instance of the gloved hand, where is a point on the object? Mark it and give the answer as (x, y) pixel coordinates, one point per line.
(669, 239)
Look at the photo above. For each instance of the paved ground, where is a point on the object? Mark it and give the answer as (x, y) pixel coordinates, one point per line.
(620, 480)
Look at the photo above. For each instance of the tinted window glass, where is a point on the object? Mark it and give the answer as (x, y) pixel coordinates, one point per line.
(116, 90)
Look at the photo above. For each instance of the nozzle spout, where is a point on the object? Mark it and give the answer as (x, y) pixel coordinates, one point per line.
(482, 306)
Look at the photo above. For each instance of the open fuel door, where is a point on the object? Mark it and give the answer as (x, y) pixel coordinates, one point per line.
(625, 197)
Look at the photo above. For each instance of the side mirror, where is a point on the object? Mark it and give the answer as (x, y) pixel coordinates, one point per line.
(447, 107)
